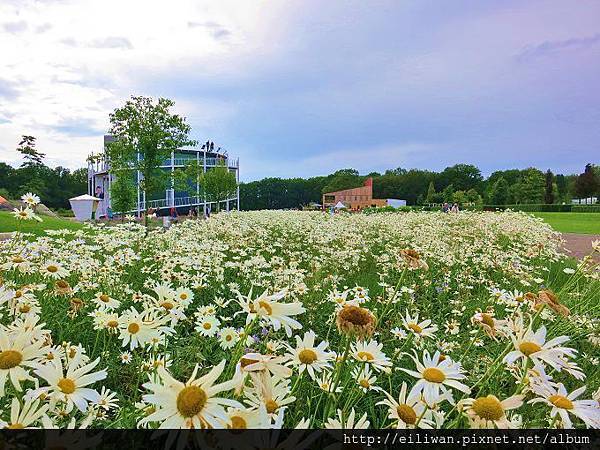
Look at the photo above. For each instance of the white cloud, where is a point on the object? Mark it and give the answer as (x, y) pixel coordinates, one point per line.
(66, 65)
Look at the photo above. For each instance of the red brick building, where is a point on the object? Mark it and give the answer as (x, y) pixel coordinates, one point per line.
(354, 199)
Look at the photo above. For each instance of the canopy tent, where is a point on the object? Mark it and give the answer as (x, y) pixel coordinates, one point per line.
(339, 205)
(83, 206)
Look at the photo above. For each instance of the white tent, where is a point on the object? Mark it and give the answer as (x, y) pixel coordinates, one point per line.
(339, 205)
(83, 206)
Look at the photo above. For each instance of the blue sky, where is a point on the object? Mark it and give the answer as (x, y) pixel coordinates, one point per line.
(302, 88)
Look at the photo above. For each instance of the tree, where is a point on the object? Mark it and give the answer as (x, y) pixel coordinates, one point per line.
(146, 132)
(588, 183)
(448, 193)
(561, 187)
(189, 178)
(499, 192)
(459, 197)
(549, 192)
(430, 193)
(462, 176)
(218, 184)
(123, 193)
(531, 187)
(473, 197)
(343, 179)
(7, 174)
(31, 155)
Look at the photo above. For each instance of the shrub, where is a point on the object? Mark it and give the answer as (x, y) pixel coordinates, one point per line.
(586, 208)
(529, 208)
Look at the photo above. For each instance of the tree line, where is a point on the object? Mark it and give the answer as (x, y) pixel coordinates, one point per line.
(54, 185)
(460, 183)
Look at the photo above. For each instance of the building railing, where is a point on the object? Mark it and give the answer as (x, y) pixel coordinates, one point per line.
(179, 202)
(210, 162)
(104, 166)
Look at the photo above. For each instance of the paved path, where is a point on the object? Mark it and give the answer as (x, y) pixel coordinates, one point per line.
(579, 245)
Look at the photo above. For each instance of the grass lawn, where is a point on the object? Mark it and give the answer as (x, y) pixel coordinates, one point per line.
(8, 223)
(572, 222)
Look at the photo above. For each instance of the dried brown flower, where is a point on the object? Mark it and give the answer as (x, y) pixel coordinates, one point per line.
(355, 321)
(412, 259)
(62, 287)
(548, 298)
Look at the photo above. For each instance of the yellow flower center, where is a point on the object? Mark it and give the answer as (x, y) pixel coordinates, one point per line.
(52, 269)
(264, 305)
(183, 296)
(407, 414)
(416, 328)
(434, 375)
(238, 423)
(167, 305)
(365, 356)
(112, 324)
(488, 408)
(15, 426)
(487, 320)
(207, 325)
(105, 298)
(66, 385)
(133, 328)
(10, 359)
(528, 348)
(365, 383)
(25, 309)
(191, 400)
(18, 294)
(62, 284)
(228, 337)
(17, 259)
(307, 356)
(271, 406)
(560, 401)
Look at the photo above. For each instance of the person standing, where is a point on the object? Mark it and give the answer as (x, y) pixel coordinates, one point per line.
(101, 210)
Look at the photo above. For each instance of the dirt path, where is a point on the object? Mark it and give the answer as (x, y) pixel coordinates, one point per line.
(579, 245)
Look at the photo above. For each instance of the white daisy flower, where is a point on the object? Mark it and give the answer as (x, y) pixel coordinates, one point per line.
(408, 411)
(436, 376)
(207, 325)
(307, 356)
(371, 353)
(70, 387)
(563, 404)
(192, 404)
(490, 412)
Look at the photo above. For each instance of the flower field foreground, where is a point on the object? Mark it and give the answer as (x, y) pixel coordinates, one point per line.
(298, 319)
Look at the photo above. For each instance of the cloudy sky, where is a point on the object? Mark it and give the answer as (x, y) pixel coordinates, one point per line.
(301, 88)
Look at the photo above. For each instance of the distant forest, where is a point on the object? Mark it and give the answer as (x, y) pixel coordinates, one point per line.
(461, 183)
